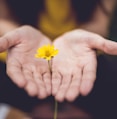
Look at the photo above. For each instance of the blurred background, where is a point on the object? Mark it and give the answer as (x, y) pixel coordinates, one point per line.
(101, 103)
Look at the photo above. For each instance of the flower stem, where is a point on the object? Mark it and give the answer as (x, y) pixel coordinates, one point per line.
(55, 109)
(49, 66)
(56, 103)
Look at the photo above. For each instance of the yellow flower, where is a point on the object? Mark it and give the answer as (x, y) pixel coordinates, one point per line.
(47, 52)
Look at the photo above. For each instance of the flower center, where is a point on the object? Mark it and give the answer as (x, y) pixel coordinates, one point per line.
(47, 53)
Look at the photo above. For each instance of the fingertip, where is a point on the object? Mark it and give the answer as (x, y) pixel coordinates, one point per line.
(31, 89)
(70, 96)
(42, 95)
(86, 88)
(42, 92)
(49, 92)
(53, 92)
(59, 98)
(21, 83)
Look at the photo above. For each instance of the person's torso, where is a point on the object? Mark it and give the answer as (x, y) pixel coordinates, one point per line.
(57, 18)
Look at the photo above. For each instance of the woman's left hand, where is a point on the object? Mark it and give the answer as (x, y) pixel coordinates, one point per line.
(74, 68)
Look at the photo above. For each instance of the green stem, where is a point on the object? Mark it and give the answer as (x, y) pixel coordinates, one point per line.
(56, 103)
(55, 109)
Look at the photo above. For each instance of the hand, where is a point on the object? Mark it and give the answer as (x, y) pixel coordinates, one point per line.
(22, 67)
(74, 68)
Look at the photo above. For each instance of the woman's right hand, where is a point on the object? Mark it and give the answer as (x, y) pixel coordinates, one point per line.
(22, 67)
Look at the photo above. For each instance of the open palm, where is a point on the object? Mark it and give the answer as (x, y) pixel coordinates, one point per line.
(74, 68)
(22, 67)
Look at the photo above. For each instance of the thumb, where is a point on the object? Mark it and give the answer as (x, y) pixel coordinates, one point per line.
(105, 45)
(9, 40)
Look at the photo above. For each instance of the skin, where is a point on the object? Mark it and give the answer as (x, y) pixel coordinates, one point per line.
(22, 67)
(73, 69)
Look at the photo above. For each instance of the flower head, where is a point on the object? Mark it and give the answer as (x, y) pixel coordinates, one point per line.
(47, 52)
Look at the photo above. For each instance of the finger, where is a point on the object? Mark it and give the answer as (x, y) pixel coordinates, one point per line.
(56, 81)
(42, 93)
(9, 40)
(88, 78)
(14, 71)
(74, 88)
(105, 45)
(47, 81)
(110, 47)
(66, 80)
(31, 86)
